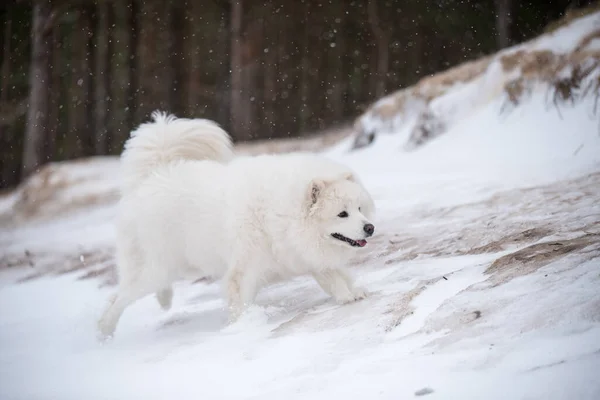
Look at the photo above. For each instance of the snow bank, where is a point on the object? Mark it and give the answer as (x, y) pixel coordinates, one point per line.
(558, 70)
(60, 188)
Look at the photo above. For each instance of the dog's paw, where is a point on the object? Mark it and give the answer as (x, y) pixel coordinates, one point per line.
(105, 330)
(234, 313)
(356, 294)
(360, 293)
(104, 338)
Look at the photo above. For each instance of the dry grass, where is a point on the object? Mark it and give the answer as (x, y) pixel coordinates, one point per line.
(587, 40)
(53, 191)
(529, 62)
(424, 91)
(428, 127)
(490, 226)
(388, 107)
(531, 258)
(550, 69)
(402, 306)
(429, 87)
(516, 89)
(434, 86)
(97, 264)
(314, 142)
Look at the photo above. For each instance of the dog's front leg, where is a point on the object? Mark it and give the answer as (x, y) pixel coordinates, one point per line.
(338, 284)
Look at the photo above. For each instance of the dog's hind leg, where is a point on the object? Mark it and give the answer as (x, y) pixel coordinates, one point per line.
(128, 293)
(117, 304)
(165, 298)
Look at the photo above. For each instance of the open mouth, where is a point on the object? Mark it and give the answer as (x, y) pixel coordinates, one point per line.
(353, 243)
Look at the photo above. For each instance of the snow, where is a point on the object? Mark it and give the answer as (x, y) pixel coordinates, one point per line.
(566, 38)
(532, 145)
(483, 280)
(433, 107)
(7, 202)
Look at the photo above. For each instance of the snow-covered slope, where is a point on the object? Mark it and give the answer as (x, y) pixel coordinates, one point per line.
(484, 280)
(563, 66)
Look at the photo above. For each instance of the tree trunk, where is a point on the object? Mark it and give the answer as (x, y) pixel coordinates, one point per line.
(5, 69)
(192, 86)
(338, 64)
(236, 116)
(252, 40)
(80, 135)
(382, 40)
(270, 28)
(39, 90)
(106, 80)
(305, 70)
(503, 22)
(165, 87)
(55, 95)
(176, 56)
(89, 61)
(104, 50)
(222, 88)
(152, 67)
(318, 70)
(134, 81)
(7, 174)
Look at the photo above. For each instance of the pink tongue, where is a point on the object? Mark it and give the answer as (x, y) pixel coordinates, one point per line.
(361, 243)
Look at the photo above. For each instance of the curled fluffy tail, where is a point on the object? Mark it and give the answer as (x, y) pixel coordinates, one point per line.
(167, 139)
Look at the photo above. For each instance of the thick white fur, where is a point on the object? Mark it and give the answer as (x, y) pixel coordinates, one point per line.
(189, 209)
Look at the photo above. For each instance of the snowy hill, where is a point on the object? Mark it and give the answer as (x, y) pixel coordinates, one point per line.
(484, 273)
(563, 66)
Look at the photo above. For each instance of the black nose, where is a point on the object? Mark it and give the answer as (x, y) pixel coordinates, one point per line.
(369, 229)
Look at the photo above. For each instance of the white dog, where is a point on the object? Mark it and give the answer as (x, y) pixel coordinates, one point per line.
(188, 210)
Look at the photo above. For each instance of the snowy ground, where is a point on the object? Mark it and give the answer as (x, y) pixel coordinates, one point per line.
(484, 280)
(484, 277)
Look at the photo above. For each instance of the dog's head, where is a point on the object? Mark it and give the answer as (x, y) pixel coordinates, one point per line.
(342, 210)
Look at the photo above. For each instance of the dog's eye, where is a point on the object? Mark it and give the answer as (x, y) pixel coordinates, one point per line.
(358, 208)
(343, 214)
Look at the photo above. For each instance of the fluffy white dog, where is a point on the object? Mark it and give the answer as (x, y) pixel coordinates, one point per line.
(189, 209)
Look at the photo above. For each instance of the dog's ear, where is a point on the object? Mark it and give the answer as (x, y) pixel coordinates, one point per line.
(315, 187)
